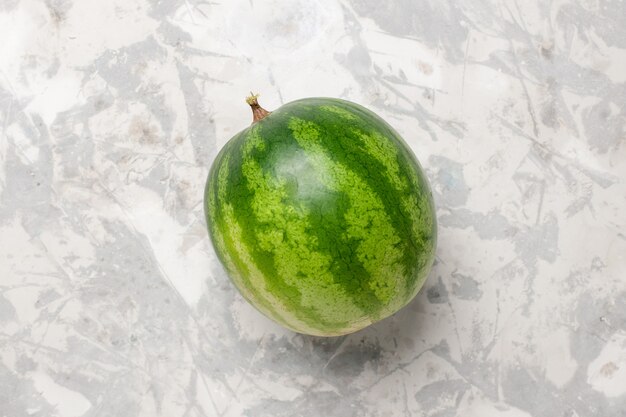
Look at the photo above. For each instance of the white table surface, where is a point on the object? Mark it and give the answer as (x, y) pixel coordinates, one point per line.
(112, 302)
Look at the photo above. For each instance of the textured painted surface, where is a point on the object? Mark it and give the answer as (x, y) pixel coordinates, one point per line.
(322, 217)
(112, 301)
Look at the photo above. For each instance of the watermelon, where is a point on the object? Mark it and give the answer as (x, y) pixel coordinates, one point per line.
(321, 216)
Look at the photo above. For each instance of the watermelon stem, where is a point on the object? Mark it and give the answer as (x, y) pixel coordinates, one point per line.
(258, 112)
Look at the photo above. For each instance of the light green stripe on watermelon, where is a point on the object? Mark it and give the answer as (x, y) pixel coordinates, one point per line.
(228, 232)
(384, 152)
(347, 128)
(380, 249)
(241, 267)
(382, 143)
(294, 251)
(379, 147)
(273, 305)
(424, 229)
(339, 111)
(216, 232)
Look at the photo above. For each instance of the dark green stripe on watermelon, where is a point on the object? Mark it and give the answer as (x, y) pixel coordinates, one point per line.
(346, 147)
(242, 195)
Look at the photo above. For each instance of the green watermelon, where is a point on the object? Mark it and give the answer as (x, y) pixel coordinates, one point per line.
(321, 216)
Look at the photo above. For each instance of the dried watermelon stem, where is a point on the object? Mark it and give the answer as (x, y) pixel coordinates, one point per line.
(258, 112)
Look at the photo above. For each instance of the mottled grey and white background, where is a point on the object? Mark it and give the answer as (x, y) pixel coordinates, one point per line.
(112, 302)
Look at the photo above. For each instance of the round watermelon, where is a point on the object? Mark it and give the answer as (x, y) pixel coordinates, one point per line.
(321, 216)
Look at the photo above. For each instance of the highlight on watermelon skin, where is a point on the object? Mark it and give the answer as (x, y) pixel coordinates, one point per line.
(321, 216)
